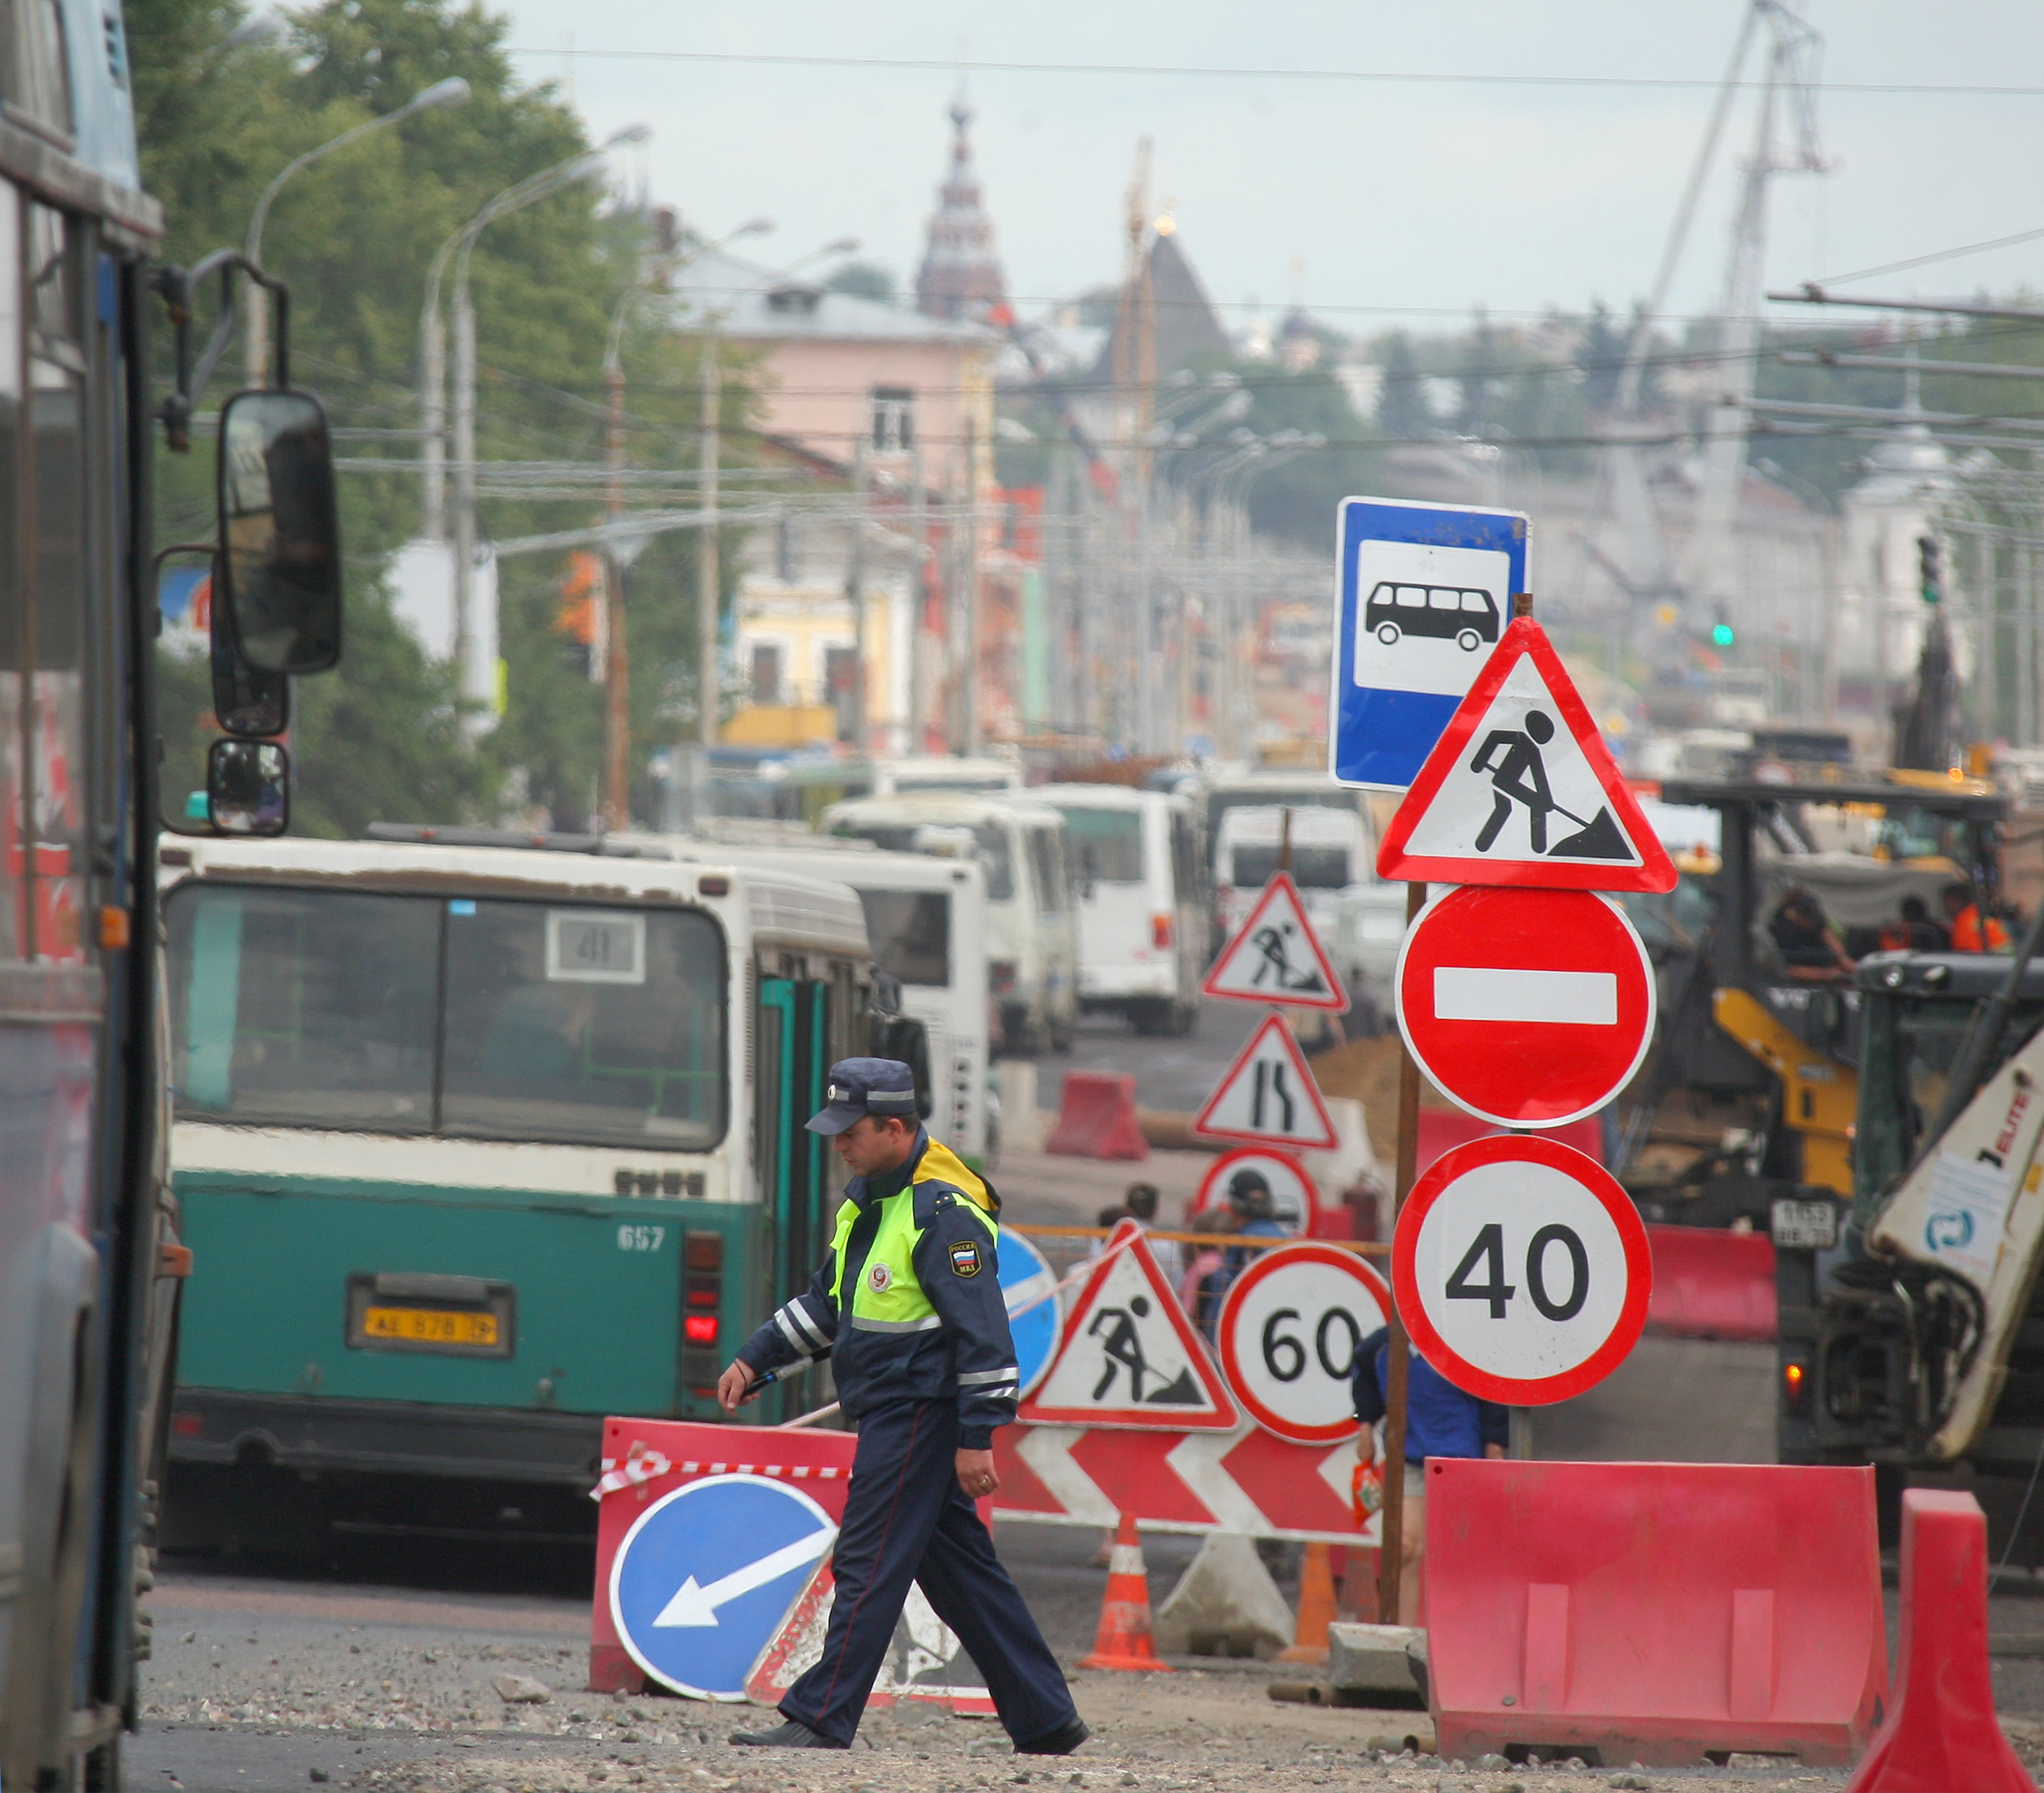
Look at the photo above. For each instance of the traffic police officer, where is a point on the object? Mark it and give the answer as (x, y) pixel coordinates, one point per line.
(908, 1307)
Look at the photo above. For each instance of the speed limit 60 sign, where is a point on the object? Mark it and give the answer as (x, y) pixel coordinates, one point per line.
(1288, 1335)
(1521, 1269)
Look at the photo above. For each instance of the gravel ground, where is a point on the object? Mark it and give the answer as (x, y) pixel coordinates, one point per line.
(263, 1685)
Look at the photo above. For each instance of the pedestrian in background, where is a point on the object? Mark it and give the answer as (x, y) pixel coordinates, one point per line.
(1139, 1204)
(1249, 1213)
(908, 1307)
(1440, 1421)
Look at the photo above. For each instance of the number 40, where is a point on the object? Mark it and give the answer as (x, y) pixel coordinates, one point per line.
(1488, 1250)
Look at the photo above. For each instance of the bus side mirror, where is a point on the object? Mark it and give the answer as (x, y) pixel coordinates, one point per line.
(248, 788)
(279, 532)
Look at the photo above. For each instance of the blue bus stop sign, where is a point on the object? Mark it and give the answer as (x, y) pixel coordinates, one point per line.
(706, 1575)
(1024, 1276)
(1424, 593)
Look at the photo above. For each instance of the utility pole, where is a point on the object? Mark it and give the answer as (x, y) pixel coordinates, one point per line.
(616, 666)
(464, 489)
(969, 680)
(919, 592)
(855, 593)
(708, 574)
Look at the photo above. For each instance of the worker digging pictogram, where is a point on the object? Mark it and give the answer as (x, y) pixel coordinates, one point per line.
(1511, 757)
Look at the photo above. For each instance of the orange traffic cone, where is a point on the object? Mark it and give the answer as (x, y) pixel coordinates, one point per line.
(1124, 1640)
(1317, 1608)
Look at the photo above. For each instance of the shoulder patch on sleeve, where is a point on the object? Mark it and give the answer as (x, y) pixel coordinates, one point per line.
(966, 1259)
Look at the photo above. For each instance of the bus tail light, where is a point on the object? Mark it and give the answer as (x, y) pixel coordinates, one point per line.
(1795, 1384)
(1000, 977)
(702, 1295)
(1160, 933)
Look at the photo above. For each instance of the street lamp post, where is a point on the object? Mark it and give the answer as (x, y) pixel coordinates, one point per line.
(256, 344)
(460, 247)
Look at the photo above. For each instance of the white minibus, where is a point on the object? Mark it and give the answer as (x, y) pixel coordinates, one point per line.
(1031, 926)
(1143, 907)
(926, 918)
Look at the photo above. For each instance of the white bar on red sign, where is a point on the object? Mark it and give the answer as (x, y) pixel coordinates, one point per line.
(1469, 992)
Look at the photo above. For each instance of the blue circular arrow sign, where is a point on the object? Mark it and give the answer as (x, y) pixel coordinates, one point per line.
(705, 1575)
(1024, 1276)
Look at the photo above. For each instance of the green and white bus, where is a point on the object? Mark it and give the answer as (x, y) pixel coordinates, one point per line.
(473, 1145)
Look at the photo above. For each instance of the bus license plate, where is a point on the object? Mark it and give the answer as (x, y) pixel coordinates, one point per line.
(430, 1326)
(1805, 1225)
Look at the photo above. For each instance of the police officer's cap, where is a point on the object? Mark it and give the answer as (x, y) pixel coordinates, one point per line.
(859, 1087)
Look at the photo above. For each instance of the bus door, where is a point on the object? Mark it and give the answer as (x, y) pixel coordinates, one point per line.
(794, 1056)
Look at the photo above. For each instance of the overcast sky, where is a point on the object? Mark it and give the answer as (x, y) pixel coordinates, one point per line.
(1399, 198)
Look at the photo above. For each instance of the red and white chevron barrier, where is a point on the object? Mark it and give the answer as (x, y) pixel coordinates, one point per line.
(1245, 1481)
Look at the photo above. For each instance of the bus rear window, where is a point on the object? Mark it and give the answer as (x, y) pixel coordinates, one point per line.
(1106, 844)
(911, 933)
(304, 1009)
(1313, 868)
(549, 1023)
(579, 1024)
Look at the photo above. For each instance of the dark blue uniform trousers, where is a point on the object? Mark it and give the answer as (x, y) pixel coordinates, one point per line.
(907, 1520)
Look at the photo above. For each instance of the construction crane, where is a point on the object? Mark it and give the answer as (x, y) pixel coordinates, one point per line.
(1643, 567)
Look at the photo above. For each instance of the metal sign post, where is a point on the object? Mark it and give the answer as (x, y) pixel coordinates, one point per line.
(1391, 1549)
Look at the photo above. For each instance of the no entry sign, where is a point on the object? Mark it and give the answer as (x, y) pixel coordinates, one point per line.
(1527, 1008)
(1521, 1270)
(1289, 1332)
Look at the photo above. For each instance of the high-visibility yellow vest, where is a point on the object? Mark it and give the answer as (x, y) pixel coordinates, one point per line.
(889, 1296)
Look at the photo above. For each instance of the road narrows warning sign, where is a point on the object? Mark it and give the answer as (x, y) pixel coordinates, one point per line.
(1276, 957)
(1520, 789)
(1130, 1356)
(1268, 1097)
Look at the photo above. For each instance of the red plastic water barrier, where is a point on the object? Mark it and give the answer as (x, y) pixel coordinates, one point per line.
(1441, 1130)
(1941, 1734)
(1711, 1284)
(1097, 1117)
(1655, 1612)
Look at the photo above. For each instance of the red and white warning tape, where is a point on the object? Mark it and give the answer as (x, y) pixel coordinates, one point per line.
(644, 1466)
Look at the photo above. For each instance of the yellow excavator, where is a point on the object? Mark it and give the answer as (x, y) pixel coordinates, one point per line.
(1754, 1091)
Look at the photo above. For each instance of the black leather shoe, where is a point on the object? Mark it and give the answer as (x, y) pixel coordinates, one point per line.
(790, 1733)
(1062, 1742)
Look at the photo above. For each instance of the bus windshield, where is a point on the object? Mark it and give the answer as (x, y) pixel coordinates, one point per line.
(479, 1017)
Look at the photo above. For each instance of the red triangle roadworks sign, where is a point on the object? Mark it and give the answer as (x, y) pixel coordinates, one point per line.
(1129, 1356)
(1520, 789)
(1275, 957)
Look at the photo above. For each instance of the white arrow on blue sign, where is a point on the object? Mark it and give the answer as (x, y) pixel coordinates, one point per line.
(706, 1575)
(1026, 1278)
(1424, 594)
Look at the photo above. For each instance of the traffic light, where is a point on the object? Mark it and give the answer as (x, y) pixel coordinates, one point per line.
(1722, 634)
(1931, 568)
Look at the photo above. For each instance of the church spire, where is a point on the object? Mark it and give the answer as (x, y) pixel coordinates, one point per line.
(961, 276)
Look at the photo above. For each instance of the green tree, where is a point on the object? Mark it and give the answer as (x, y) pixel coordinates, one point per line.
(354, 234)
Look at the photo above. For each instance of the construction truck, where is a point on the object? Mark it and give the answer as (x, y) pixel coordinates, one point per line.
(1912, 1336)
(1751, 1096)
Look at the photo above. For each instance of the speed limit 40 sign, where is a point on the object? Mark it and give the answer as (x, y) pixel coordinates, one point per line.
(1521, 1269)
(1288, 1335)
